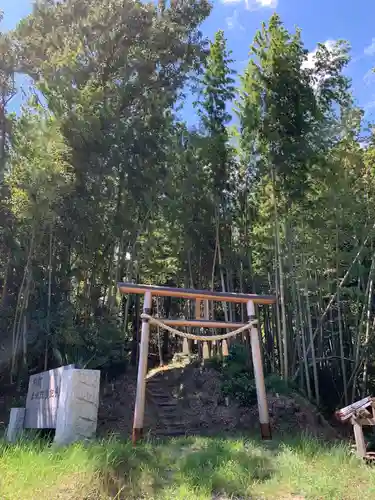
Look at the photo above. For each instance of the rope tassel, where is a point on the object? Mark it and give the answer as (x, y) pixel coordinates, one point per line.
(185, 346)
(206, 352)
(224, 348)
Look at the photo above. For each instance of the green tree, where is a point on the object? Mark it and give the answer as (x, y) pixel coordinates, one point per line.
(284, 116)
(217, 92)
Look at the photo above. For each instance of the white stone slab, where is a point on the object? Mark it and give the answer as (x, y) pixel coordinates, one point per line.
(77, 414)
(43, 397)
(16, 424)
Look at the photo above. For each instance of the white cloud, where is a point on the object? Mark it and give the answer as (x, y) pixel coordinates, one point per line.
(267, 3)
(233, 22)
(369, 77)
(310, 62)
(255, 4)
(370, 49)
(311, 57)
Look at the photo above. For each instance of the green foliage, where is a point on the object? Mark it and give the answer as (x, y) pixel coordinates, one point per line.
(238, 378)
(236, 467)
(283, 104)
(89, 166)
(217, 92)
(102, 181)
(41, 173)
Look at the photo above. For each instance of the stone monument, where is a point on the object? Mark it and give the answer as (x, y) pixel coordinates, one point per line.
(43, 398)
(77, 415)
(65, 399)
(16, 424)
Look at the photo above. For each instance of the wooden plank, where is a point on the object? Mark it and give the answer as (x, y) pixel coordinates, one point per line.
(366, 421)
(359, 439)
(347, 412)
(187, 293)
(201, 323)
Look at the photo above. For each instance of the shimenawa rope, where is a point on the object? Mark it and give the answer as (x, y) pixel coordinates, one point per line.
(204, 338)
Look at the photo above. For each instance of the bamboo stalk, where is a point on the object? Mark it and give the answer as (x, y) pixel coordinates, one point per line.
(48, 333)
(312, 348)
(367, 333)
(343, 280)
(358, 362)
(280, 279)
(5, 282)
(19, 302)
(341, 341)
(304, 351)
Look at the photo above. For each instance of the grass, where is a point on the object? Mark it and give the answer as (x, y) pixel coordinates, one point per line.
(189, 468)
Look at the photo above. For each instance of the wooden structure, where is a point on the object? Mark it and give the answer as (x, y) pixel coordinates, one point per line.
(359, 414)
(198, 296)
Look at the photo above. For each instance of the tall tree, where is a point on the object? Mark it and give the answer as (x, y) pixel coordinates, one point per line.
(283, 115)
(217, 85)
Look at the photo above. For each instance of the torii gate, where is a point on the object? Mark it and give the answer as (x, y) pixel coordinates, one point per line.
(198, 295)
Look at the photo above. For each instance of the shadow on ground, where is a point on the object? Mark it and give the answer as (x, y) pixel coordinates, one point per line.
(202, 465)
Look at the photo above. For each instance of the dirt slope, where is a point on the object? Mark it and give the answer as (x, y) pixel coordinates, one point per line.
(189, 400)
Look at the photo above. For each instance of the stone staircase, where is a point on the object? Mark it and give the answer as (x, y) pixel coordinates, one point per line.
(162, 395)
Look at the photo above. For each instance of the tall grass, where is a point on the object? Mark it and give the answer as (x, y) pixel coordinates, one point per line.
(189, 468)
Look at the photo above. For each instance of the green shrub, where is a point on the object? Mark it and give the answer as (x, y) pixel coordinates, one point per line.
(238, 378)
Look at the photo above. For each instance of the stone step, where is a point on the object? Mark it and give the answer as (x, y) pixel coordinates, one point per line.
(157, 389)
(162, 386)
(171, 433)
(170, 422)
(173, 424)
(164, 404)
(168, 404)
(161, 379)
(160, 392)
(169, 417)
(160, 395)
(166, 412)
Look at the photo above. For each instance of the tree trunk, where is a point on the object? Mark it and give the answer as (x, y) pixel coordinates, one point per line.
(48, 333)
(367, 333)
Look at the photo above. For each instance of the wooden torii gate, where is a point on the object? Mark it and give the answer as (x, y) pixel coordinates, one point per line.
(168, 324)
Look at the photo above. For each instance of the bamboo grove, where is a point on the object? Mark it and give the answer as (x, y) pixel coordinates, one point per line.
(102, 180)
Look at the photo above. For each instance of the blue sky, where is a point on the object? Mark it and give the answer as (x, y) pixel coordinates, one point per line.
(320, 21)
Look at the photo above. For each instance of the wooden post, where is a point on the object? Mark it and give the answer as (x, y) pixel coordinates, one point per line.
(207, 350)
(359, 438)
(197, 308)
(264, 420)
(139, 410)
(198, 316)
(206, 310)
